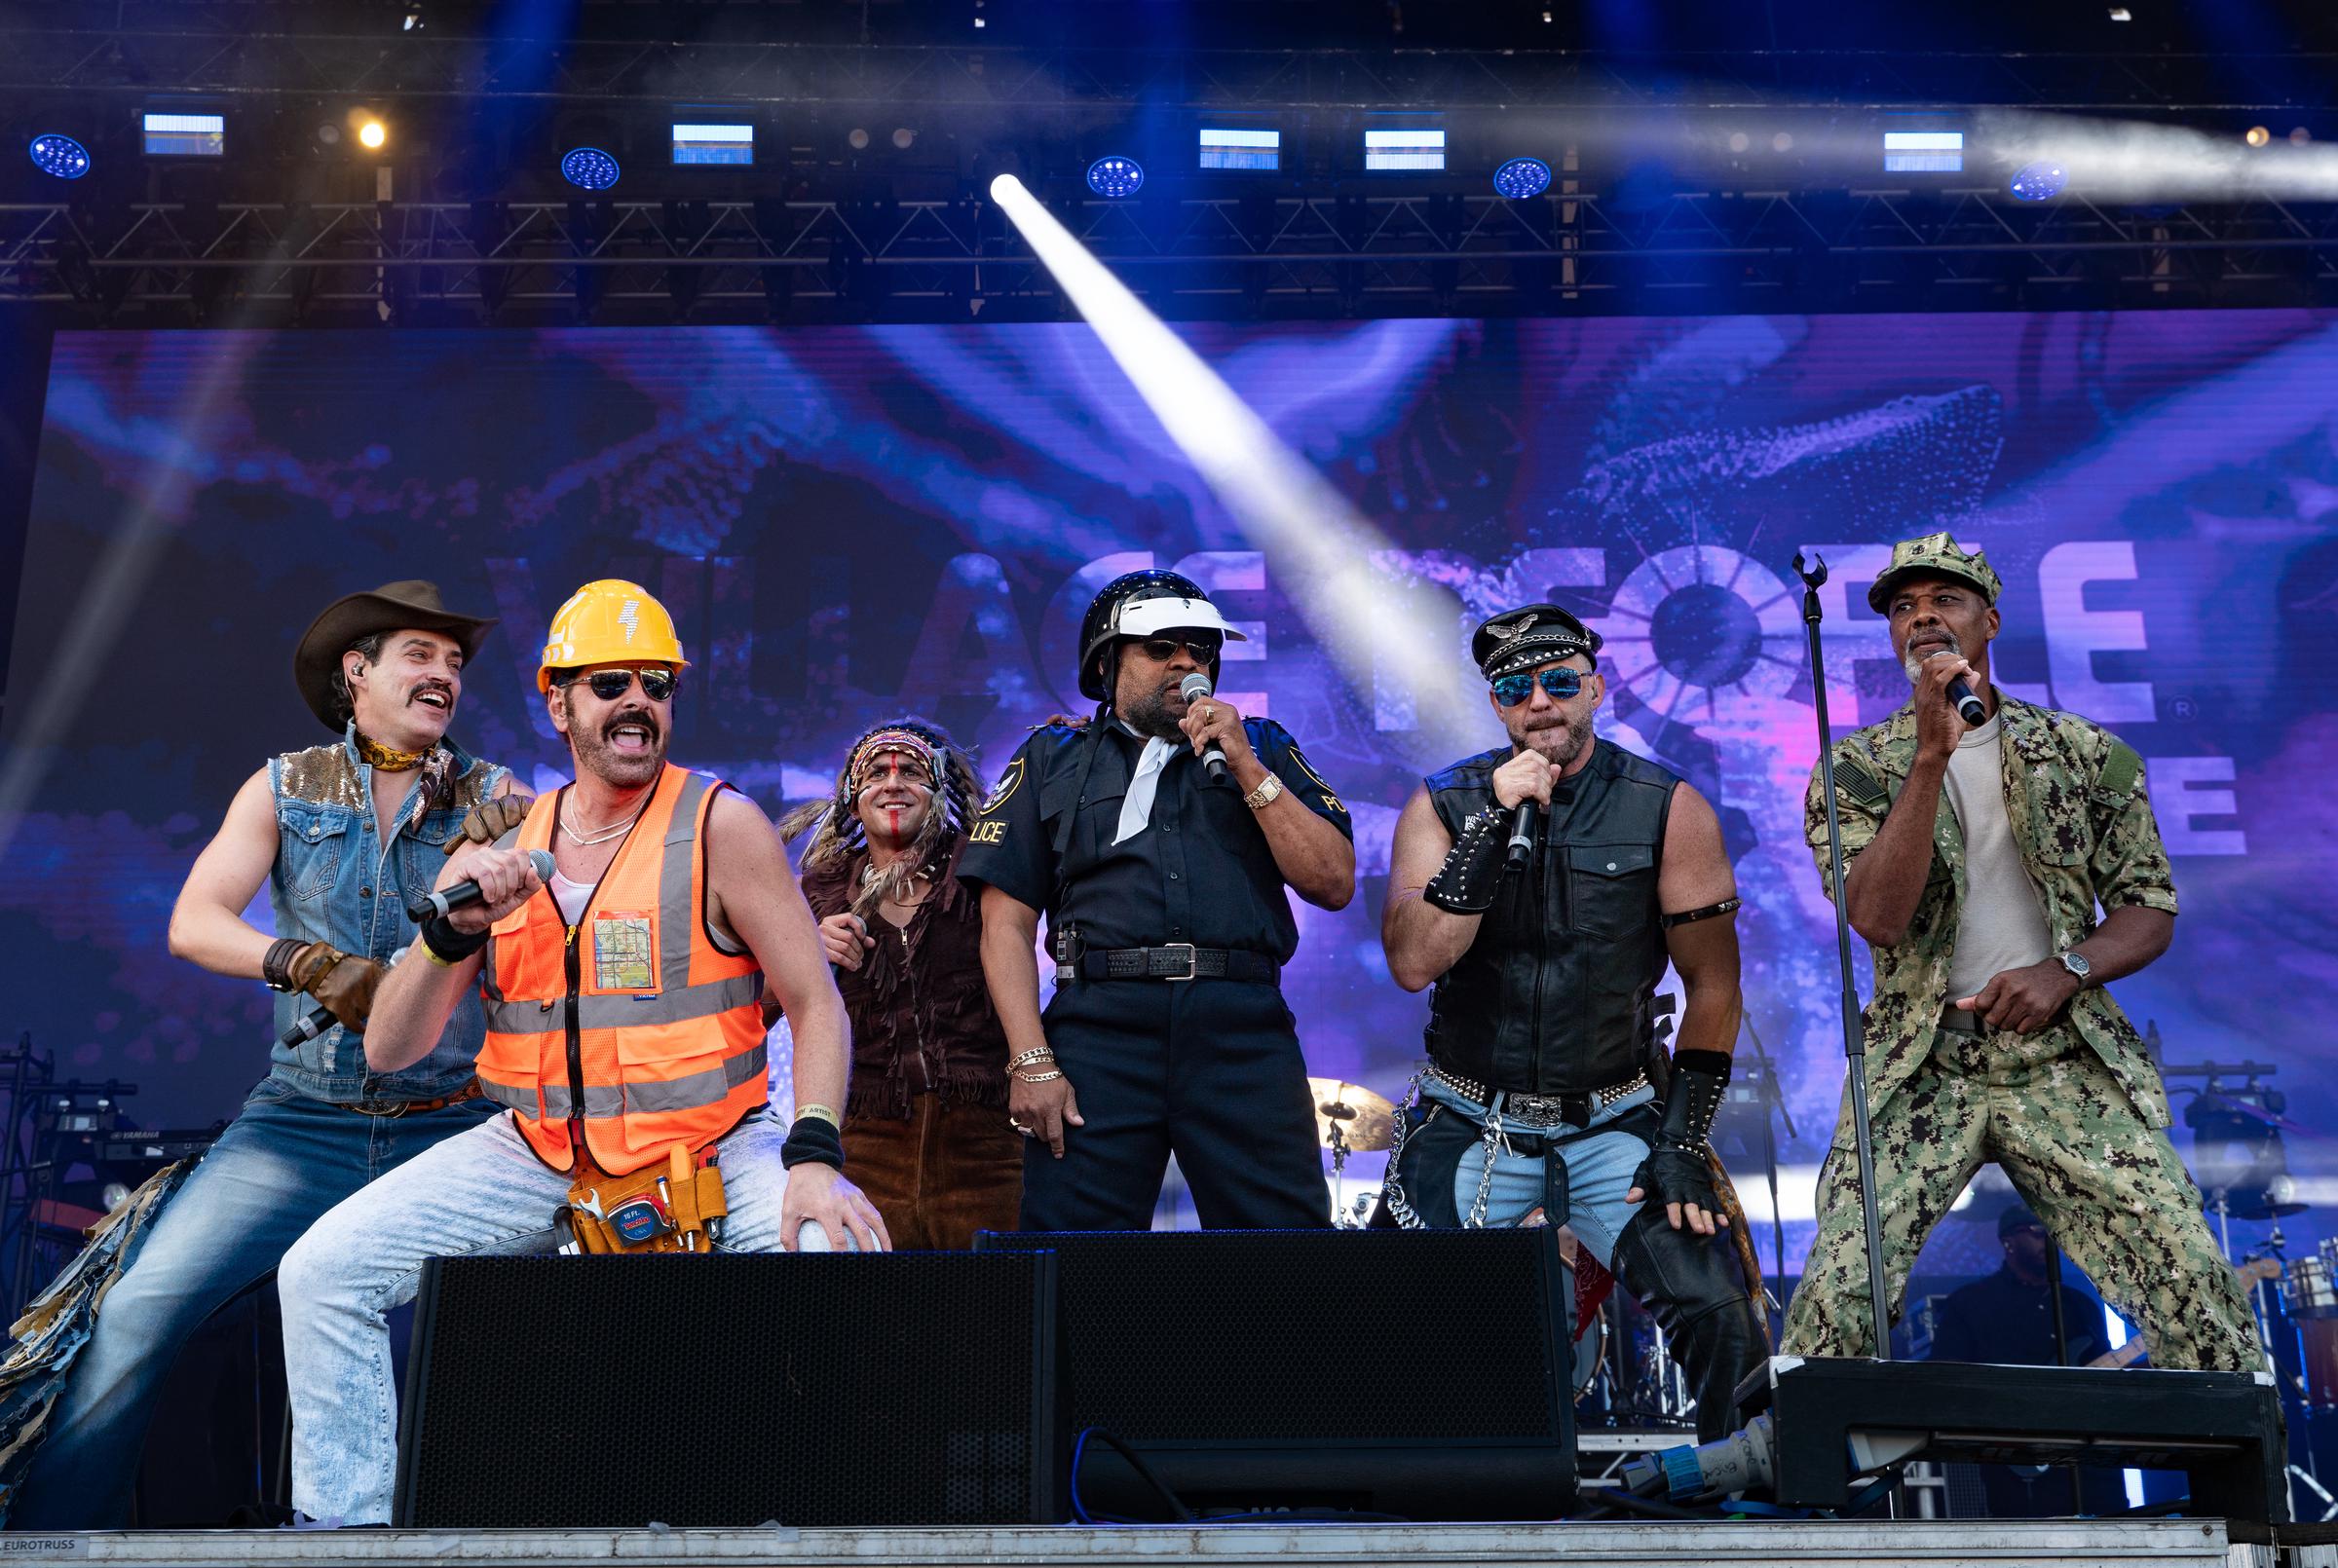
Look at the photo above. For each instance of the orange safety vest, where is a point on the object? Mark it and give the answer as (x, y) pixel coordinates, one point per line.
(631, 1024)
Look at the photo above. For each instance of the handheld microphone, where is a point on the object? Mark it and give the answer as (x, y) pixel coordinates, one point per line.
(1960, 697)
(1194, 687)
(448, 899)
(1522, 823)
(319, 1019)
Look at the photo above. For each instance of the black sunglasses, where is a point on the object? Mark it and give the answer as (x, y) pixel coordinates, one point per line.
(1161, 650)
(610, 684)
(1560, 680)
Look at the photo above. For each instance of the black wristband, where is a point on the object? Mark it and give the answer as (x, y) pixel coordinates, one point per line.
(1699, 1078)
(450, 945)
(276, 966)
(1465, 884)
(812, 1139)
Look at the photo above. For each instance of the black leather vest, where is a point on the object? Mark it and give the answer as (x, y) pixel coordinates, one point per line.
(1553, 996)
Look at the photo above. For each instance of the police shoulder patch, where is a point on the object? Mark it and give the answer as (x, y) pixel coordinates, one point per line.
(1001, 790)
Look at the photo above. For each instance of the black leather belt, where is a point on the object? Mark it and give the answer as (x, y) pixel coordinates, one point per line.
(1957, 1020)
(1179, 961)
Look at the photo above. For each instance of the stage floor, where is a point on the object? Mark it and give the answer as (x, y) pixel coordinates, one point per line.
(2158, 1543)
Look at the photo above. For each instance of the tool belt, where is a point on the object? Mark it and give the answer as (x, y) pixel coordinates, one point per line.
(1177, 960)
(1541, 1112)
(674, 1207)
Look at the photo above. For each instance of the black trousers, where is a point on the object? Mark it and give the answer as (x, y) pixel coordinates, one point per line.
(1207, 1069)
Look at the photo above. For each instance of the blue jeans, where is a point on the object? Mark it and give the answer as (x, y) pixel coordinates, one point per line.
(279, 1165)
(1599, 1173)
(483, 1193)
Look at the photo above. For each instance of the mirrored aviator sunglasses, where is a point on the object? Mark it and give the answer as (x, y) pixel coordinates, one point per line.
(610, 684)
(1161, 650)
(1560, 680)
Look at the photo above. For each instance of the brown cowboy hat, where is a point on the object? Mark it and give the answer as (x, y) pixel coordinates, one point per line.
(392, 607)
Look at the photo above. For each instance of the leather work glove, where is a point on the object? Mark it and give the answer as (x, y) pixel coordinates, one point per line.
(342, 985)
(489, 820)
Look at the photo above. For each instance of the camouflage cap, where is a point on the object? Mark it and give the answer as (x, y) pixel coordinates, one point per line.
(1934, 555)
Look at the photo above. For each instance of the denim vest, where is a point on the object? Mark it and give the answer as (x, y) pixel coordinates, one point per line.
(333, 883)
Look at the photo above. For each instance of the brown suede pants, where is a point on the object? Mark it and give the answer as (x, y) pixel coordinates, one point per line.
(945, 1172)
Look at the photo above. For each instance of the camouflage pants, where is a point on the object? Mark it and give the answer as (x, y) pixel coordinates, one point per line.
(2111, 1190)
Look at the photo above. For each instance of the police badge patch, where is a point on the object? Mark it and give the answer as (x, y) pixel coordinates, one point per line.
(1005, 788)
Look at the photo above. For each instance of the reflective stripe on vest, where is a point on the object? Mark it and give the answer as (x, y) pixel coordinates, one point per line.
(681, 1060)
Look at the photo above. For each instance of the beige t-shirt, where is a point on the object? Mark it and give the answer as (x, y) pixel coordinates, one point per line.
(2001, 924)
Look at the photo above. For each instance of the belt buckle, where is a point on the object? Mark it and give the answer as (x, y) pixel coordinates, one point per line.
(1541, 1110)
(1192, 960)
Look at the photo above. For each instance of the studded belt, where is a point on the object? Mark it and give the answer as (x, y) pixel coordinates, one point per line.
(1573, 1109)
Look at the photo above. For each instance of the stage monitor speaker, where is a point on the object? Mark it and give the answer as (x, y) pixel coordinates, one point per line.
(1420, 1374)
(809, 1389)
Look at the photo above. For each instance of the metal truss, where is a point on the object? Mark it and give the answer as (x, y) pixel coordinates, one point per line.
(225, 51)
(1259, 257)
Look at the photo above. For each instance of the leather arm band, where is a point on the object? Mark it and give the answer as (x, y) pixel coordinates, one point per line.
(276, 964)
(1699, 1080)
(1465, 883)
(448, 945)
(1727, 906)
(815, 1142)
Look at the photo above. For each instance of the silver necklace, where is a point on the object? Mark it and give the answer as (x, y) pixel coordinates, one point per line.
(599, 835)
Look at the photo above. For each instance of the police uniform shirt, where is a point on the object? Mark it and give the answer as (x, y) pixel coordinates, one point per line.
(1201, 872)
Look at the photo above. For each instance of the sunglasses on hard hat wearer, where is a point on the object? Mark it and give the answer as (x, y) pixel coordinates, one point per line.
(1161, 650)
(656, 685)
(1561, 682)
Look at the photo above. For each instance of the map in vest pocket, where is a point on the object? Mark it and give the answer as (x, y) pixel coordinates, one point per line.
(624, 953)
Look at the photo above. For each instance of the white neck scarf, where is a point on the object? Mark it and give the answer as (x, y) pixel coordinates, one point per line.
(1136, 806)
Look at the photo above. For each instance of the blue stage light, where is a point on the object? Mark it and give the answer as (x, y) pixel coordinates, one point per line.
(588, 168)
(1116, 176)
(1521, 177)
(56, 153)
(2039, 182)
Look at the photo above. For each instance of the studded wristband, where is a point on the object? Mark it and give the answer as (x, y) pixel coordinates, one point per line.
(1699, 1080)
(1465, 883)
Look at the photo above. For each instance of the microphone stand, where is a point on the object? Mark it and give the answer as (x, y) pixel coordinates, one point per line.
(1773, 1097)
(1855, 1043)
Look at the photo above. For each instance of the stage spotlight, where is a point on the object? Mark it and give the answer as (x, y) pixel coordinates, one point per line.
(1113, 176)
(857, 138)
(2122, 14)
(588, 169)
(2039, 182)
(2299, 136)
(1739, 141)
(372, 135)
(1520, 179)
(1405, 148)
(2257, 136)
(904, 137)
(1783, 142)
(56, 153)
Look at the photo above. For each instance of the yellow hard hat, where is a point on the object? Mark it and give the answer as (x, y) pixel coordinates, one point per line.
(609, 621)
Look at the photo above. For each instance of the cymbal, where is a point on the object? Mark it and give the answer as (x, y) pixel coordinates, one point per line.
(1365, 1120)
(2254, 1203)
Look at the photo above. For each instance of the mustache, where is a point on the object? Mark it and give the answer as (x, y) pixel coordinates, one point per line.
(444, 688)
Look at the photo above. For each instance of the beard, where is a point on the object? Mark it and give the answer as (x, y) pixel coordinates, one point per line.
(599, 756)
(1152, 715)
(1913, 661)
(1559, 740)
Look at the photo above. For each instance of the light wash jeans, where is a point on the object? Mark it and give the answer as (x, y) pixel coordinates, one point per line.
(484, 1192)
(1599, 1173)
(284, 1160)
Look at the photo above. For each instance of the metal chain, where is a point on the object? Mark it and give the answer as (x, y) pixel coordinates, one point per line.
(1492, 1142)
(1392, 1187)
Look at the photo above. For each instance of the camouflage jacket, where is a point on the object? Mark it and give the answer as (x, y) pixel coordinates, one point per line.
(2078, 806)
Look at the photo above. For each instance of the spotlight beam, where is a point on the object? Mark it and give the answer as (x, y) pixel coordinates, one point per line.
(1325, 548)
